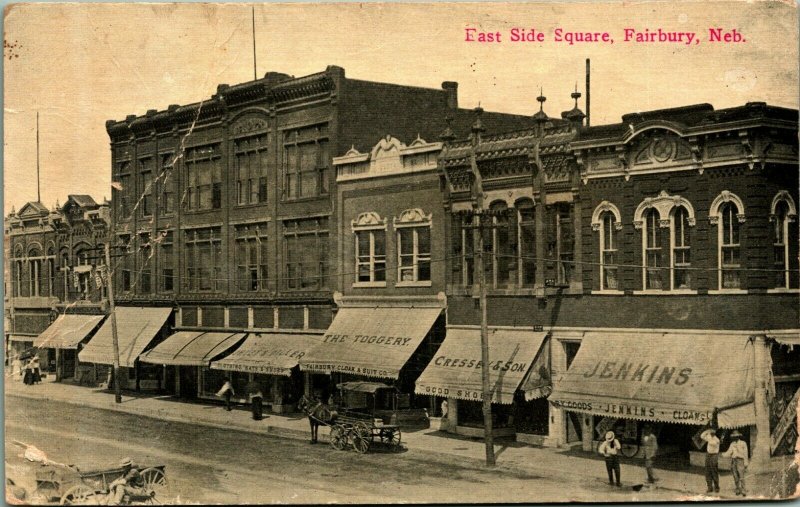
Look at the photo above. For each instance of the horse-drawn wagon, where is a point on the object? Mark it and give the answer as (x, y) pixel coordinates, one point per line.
(70, 485)
(357, 420)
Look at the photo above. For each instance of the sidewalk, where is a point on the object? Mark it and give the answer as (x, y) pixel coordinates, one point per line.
(511, 456)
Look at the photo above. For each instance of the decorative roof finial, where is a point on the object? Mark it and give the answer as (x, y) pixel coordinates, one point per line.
(448, 135)
(477, 127)
(540, 116)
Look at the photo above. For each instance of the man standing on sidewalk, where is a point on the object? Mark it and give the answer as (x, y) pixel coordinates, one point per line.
(650, 444)
(739, 460)
(610, 448)
(712, 459)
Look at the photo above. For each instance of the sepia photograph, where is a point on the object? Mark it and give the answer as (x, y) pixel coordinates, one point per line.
(385, 253)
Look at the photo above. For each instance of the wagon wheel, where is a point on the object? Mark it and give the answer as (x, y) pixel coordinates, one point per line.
(362, 437)
(79, 495)
(391, 438)
(338, 437)
(155, 482)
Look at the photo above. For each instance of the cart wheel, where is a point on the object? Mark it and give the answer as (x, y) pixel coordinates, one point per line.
(338, 437)
(392, 439)
(155, 482)
(79, 495)
(362, 437)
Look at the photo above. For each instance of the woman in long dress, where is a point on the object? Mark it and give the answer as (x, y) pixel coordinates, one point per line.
(37, 372)
(27, 379)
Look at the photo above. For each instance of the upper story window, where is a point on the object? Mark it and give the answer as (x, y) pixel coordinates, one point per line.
(34, 272)
(652, 251)
(560, 242)
(146, 167)
(369, 230)
(125, 263)
(204, 178)
(500, 252)
(306, 162)
(145, 263)
(250, 165)
(305, 253)
(413, 228)
(167, 260)
(526, 243)
(203, 259)
(607, 221)
(727, 212)
(666, 222)
(252, 257)
(166, 177)
(681, 277)
(784, 236)
(124, 190)
(463, 258)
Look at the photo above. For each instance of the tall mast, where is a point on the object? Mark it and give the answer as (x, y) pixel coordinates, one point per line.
(38, 189)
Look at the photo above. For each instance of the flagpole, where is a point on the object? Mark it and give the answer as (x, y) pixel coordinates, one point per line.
(38, 189)
(255, 66)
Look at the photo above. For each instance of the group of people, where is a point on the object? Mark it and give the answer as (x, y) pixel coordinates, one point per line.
(29, 369)
(737, 451)
(254, 395)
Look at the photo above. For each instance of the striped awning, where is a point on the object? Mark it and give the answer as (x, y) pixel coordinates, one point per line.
(136, 328)
(665, 377)
(67, 331)
(191, 348)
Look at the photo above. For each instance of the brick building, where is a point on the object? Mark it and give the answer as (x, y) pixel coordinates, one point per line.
(656, 253)
(226, 206)
(49, 260)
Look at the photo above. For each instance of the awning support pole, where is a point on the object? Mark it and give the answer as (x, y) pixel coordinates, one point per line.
(759, 434)
(114, 337)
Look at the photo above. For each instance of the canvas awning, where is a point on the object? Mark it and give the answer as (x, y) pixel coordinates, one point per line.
(371, 341)
(666, 377)
(269, 353)
(67, 331)
(790, 339)
(136, 328)
(456, 372)
(191, 348)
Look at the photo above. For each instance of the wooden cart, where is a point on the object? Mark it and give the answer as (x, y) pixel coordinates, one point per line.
(358, 423)
(71, 486)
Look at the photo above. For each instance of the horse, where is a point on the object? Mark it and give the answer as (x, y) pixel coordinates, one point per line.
(317, 412)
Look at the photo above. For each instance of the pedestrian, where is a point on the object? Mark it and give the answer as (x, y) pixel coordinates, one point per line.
(226, 391)
(37, 372)
(27, 378)
(650, 444)
(738, 454)
(712, 459)
(610, 448)
(256, 399)
(445, 409)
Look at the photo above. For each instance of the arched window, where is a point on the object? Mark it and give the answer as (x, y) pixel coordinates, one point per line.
(51, 271)
(680, 245)
(526, 243)
(609, 279)
(18, 269)
(413, 247)
(369, 230)
(784, 241)
(651, 243)
(730, 248)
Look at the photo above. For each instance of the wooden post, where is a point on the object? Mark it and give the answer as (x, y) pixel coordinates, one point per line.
(114, 336)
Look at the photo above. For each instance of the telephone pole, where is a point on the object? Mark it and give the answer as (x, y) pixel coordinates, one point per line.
(114, 336)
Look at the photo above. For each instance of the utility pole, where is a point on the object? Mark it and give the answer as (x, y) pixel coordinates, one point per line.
(114, 336)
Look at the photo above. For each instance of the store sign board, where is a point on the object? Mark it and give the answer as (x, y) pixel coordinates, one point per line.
(785, 422)
(635, 410)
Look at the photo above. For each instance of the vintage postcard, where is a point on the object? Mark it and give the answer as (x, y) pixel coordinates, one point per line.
(383, 253)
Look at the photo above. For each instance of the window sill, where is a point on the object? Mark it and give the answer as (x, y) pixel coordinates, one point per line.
(201, 211)
(728, 291)
(414, 284)
(608, 292)
(783, 290)
(366, 285)
(250, 205)
(304, 199)
(661, 292)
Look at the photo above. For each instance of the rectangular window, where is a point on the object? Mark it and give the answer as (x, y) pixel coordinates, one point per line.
(252, 257)
(250, 160)
(306, 161)
(730, 247)
(681, 250)
(652, 251)
(167, 201)
(124, 192)
(145, 263)
(560, 243)
(527, 245)
(370, 255)
(167, 262)
(414, 253)
(609, 253)
(203, 259)
(204, 178)
(306, 254)
(146, 167)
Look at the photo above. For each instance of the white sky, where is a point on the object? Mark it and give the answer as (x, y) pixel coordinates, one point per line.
(81, 64)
